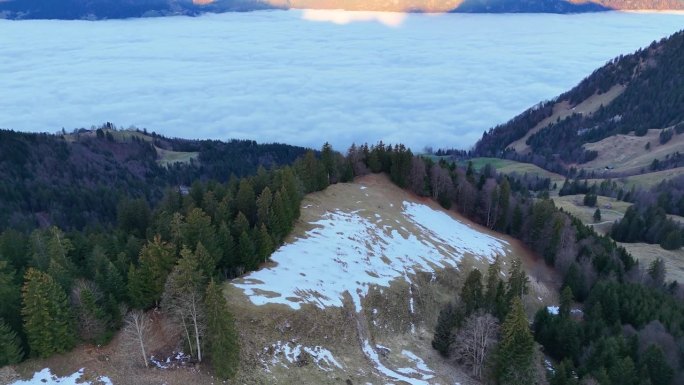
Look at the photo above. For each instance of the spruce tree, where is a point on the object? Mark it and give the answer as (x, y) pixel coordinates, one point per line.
(245, 200)
(224, 348)
(449, 317)
(493, 279)
(471, 293)
(265, 244)
(48, 321)
(517, 280)
(516, 349)
(247, 251)
(146, 282)
(655, 364)
(10, 345)
(264, 203)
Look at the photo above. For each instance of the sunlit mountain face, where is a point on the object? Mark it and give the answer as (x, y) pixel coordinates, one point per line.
(113, 9)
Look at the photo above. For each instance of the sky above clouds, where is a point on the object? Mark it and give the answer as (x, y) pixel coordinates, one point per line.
(305, 78)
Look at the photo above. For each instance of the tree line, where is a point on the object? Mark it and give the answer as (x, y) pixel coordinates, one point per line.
(76, 180)
(60, 288)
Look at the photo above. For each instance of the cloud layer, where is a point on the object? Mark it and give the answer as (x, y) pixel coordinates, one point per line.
(274, 76)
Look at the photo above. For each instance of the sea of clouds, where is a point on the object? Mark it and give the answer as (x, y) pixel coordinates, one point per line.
(306, 77)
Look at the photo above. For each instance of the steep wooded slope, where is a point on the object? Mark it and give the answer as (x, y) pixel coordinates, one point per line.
(630, 94)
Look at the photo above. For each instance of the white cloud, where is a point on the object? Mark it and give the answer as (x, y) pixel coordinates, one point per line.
(271, 76)
(341, 17)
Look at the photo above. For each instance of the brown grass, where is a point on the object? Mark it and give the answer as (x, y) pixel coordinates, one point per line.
(611, 210)
(627, 153)
(647, 253)
(562, 110)
(386, 309)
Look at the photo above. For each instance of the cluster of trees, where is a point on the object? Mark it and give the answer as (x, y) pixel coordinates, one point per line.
(61, 288)
(651, 99)
(650, 225)
(76, 180)
(486, 328)
(647, 220)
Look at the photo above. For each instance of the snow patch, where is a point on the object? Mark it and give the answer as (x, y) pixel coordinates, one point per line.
(395, 375)
(292, 353)
(45, 377)
(347, 253)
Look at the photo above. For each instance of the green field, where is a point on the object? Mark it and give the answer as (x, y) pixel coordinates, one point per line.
(506, 166)
(167, 157)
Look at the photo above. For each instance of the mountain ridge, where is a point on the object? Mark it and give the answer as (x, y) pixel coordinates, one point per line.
(120, 9)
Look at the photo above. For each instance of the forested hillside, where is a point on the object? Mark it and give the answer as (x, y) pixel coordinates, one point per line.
(60, 288)
(627, 330)
(77, 180)
(653, 81)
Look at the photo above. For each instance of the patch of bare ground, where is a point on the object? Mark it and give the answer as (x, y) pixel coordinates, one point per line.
(396, 321)
(628, 153)
(564, 109)
(120, 362)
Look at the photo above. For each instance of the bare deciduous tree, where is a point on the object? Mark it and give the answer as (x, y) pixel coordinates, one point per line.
(475, 340)
(136, 329)
(441, 181)
(183, 300)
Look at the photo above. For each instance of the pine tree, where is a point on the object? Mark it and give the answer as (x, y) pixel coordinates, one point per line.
(240, 225)
(227, 245)
(146, 282)
(517, 280)
(493, 279)
(245, 200)
(264, 203)
(198, 229)
(516, 349)
(224, 348)
(265, 244)
(10, 346)
(449, 318)
(597, 215)
(471, 293)
(503, 205)
(654, 363)
(565, 302)
(10, 295)
(247, 251)
(328, 160)
(48, 322)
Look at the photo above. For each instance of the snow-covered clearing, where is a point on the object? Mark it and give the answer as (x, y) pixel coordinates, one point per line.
(346, 252)
(45, 377)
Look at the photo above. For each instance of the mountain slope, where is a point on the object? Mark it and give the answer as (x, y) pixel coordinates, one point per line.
(629, 95)
(117, 9)
(75, 180)
(355, 291)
